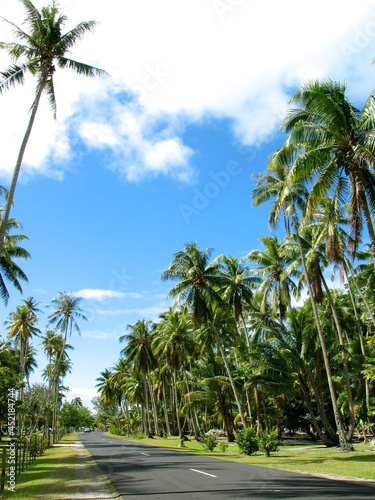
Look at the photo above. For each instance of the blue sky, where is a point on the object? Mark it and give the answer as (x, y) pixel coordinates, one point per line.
(161, 154)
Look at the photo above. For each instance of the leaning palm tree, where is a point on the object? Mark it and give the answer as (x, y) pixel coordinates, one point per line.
(288, 193)
(38, 52)
(198, 279)
(331, 141)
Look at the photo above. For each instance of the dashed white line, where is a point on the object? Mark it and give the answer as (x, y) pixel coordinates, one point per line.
(147, 455)
(201, 472)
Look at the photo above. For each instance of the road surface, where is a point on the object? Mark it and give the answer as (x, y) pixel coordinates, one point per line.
(146, 472)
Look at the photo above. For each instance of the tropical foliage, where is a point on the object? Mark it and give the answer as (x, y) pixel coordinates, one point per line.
(261, 344)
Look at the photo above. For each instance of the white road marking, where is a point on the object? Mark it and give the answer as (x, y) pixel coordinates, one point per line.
(145, 454)
(201, 472)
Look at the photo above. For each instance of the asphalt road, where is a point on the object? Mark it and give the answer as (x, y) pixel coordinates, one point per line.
(146, 472)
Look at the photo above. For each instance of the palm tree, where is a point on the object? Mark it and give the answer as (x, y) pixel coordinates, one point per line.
(174, 345)
(138, 350)
(330, 142)
(280, 184)
(276, 285)
(39, 52)
(198, 279)
(238, 287)
(21, 325)
(9, 270)
(66, 312)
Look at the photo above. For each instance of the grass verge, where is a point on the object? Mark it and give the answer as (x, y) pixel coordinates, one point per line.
(331, 462)
(50, 476)
(62, 473)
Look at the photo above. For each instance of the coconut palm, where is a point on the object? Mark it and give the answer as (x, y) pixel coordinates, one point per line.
(173, 344)
(196, 288)
(138, 350)
(238, 286)
(40, 51)
(277, 286)
(330, 142)
(287, 192)
(21, 326)
(9, 270)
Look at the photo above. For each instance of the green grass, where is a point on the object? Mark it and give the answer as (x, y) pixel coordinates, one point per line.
(359, 464)
(53, 475)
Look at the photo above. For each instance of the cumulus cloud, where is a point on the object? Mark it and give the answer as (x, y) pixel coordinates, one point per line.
(176, 63)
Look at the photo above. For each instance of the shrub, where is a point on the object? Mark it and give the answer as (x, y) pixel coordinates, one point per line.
(269, 442)
(210, 442)
(247, 441)
(223, 445)
(114, 430)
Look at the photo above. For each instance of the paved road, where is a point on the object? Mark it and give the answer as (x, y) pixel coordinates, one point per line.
(146, 472)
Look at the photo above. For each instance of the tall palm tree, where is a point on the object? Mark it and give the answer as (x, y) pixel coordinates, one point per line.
(173, 344)
(198, 279)
(331, 141)
(38, 52)
(138, 350)
(288, 194)
(66, 312)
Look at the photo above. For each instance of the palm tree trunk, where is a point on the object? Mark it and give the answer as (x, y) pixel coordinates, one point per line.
(246, 332)
(147, 422)
(359, 290)
(21, 153)
(166, 410)
(360, 335)
(344, 444)
(239, 406)
(367, 216)
(153, 405)
(343, 356)
(177, 408)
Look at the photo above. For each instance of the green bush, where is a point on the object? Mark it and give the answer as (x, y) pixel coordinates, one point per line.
(247, 441)
(210, 442)
(223, 445)
(113, 430)
(269, 442)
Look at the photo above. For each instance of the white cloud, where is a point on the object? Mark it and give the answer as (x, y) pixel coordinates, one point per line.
(147, 312)
(185, 61)
(98, 294)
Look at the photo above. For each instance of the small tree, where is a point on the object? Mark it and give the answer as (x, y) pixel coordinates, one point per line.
(210, 442)
(269, 442)
(247, 441)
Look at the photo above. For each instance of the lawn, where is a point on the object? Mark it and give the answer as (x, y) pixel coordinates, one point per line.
(53, 476)
(359, 464)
